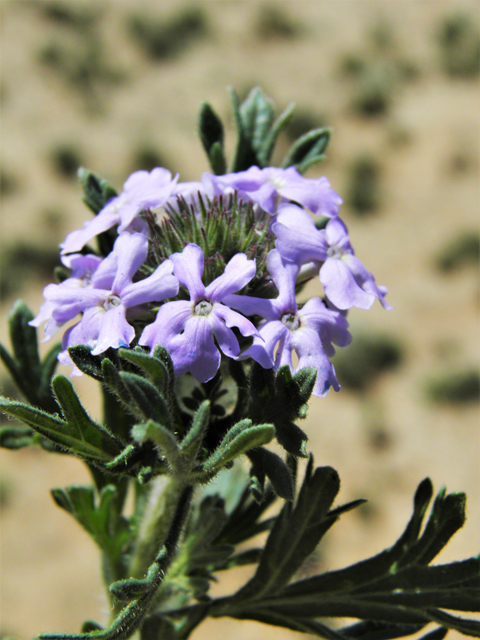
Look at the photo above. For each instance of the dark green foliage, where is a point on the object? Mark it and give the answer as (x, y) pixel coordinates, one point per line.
(162, 40)
(462, 250)
(363, 188)
(66, 160)
(273, 23)
(378, 590)
(22, 261)
(367, 358)
(280, 399)
(460, 387)
(210, 128)
(459, 45)
(31, 374)
(97, 191)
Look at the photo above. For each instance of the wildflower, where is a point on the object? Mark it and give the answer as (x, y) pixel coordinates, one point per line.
(272, 186)
(106, 296)
(309, 331)
(141, 191)
(344, 278)
(188, 328)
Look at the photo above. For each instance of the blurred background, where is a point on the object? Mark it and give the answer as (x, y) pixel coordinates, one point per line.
(116, 87)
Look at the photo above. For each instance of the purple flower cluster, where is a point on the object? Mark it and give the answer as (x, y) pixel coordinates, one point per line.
(127, 297)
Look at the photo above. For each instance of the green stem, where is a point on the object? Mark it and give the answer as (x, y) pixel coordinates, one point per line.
(156, 522)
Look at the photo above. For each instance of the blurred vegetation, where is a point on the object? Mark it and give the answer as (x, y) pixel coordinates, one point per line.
(165, 39)
(459, 252)
(147, 157)
(459, 43)
(273, 23)
(66, 159)
(8, 183)
(361, 363)
(460, 387)
(303, 121)
(20, 261)
(363, 186)
(78, 16)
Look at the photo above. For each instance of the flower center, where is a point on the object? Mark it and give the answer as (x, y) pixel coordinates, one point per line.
(111, 302)
(203, 308)
(291, 321)
(334, 251)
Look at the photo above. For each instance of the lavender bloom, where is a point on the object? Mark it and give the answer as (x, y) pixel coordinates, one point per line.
(271, 186)
(105, 298)
(142, 190)
(344, 278)
(188, 329)
(309, 331)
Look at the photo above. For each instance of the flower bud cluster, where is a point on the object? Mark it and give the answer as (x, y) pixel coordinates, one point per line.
(196, 266)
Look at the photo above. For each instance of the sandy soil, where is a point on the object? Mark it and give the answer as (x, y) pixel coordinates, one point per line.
(50, 578)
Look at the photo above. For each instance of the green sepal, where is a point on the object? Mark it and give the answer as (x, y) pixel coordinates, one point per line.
(308, 149)
(238, 440)
(80, 422)
(88, 364)
(153, 367)
(211, 134)
(97, 191)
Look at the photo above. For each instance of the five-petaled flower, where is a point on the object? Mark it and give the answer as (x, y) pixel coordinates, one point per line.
(188, 328)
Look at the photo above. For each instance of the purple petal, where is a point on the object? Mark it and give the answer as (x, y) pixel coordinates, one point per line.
(194, 350)
(76, 240)
(366, 280)
(115, 331)
(263, 350)
(170, 321)
(250, 306)
(233, 319)
(308, 346)
(341, 288)
(238, 272)
(284, 275)
(330, 325)
(131, 249)
(337, 235)
(158, 286)
(188, 268)
(224, 336)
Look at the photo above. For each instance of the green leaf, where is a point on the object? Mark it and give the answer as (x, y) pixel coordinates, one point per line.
(276, 470)
(238, 440)
(83, 359)
(166, 442)
(211, 134)
(192, 441)
(80, 422)
(17, 437)
(153, 367)
(149, 402)
(307, 150)
(266, 149)
(97, 191)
